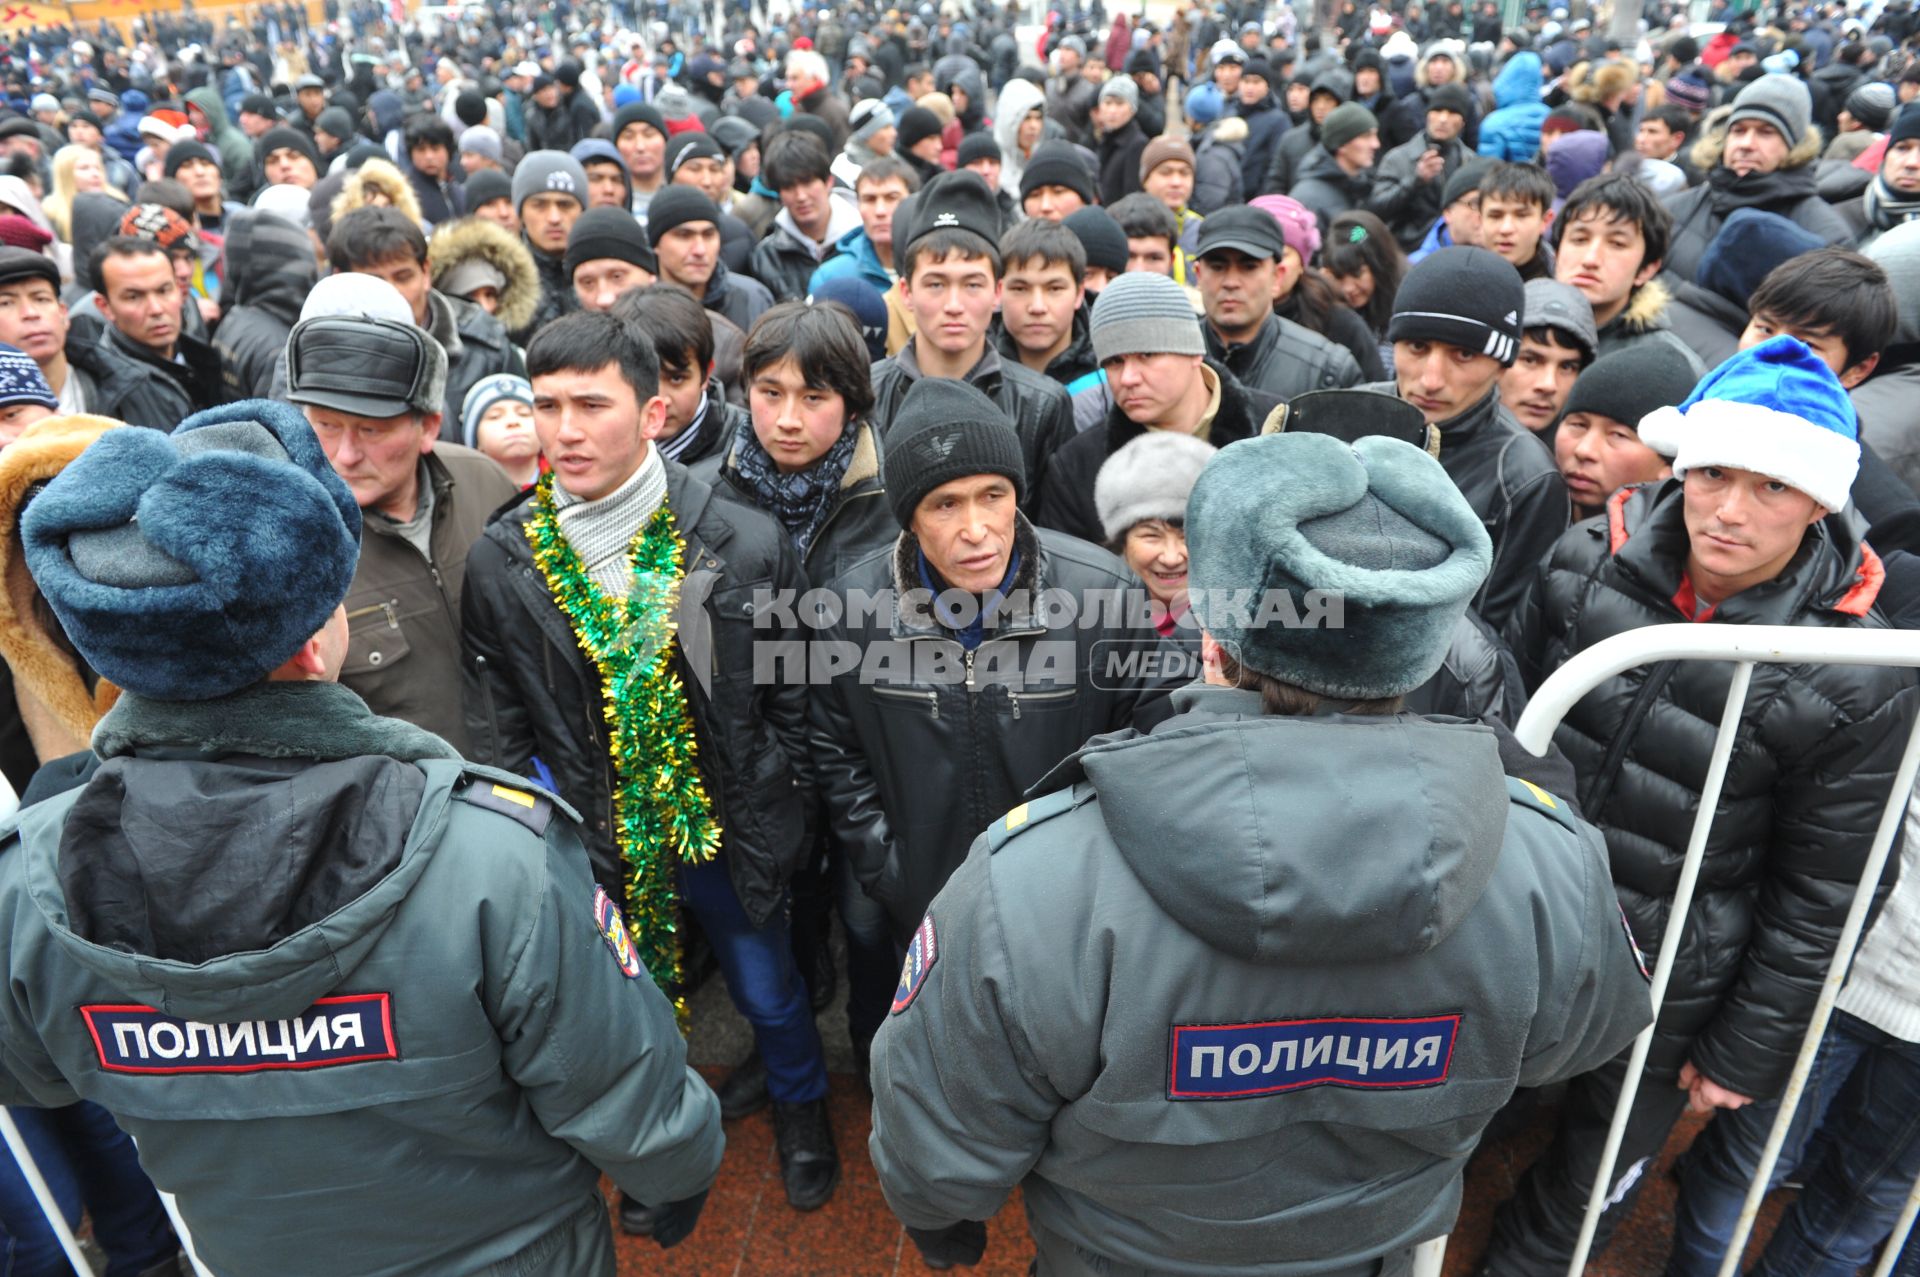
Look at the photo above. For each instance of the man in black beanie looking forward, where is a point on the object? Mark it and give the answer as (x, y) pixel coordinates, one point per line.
(1456, 327)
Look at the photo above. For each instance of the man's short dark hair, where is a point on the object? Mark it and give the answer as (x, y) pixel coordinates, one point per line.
(793, 158)
(370, 236)
(120, 246)
(1832, 290)
(1141, 216)
(1281, 699)
(1559, 339)
(1619, 197)
(882, 168)
(1051, 243)
(1524, 183)
(1675, 118)
(949, 241)
(425, 129)
(168, 192)
(824, 343)
(673, 322)
(587, 341)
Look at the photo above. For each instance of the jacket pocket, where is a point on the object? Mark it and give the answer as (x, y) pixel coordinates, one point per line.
(375, 641)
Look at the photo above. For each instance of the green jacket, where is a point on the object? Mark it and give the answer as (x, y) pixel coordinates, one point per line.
(236, 152)
(355, 1000)
(1242, 996)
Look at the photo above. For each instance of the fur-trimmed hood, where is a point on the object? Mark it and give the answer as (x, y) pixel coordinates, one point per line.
(42, 668)
(1646, 309)
(376, 177)
(1713, 142)
(455, 242)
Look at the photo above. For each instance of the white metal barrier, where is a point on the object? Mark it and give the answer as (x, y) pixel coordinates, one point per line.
(1745, 646)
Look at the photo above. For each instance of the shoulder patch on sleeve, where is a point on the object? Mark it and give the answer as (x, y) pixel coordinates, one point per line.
(531, 809)
(1033, 812)
(922, 951)
(1524, 793)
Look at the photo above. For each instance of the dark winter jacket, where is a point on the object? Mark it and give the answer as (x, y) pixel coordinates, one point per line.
(784, 264)
(1038, 408)
(477, 347)
(1067, 504)
(1285, 359)
(1708, 324)
(1074, 368)
(1327, 189)
(270, 271)
(1817, 748)
(1288, 155)
(741, 298)
(1012, 708)
(1400, 199)
(1789, 191)
(532, 691)
(1219, 165)
(557, 297)
(572, 119)
(1645, 320)
(132, 385)
(860, 523)
(1509, 478)
(1120, 162)
(403, 609)
(1267, 125)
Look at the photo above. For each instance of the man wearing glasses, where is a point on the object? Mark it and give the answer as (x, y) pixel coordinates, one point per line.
(373, 390)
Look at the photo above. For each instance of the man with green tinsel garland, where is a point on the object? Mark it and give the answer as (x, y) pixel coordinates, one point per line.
(687, 771)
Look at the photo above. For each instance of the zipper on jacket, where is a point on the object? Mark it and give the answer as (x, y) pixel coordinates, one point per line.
(1017, 697)
(393, 615)
(932, 698)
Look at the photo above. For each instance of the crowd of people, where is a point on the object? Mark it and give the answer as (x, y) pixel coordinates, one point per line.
(507, 513)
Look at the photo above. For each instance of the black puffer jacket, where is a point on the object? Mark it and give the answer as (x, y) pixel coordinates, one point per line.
(270, 271)
(532, 691)
(1039, 409)
(557, 297)
(916, 758)
(1508, 476)
(1817, 749)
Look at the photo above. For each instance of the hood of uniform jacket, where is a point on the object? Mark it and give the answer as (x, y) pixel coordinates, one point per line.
(1284, 839)
(269, 264)
(237, 858)
(1518, 83)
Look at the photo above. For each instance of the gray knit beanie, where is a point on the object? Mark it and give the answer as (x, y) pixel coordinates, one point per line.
(1779, 100)
(1122, 87)
(1144, 313)
(1872, 104)
(1149, 479)
(544, 171)
(867, 118)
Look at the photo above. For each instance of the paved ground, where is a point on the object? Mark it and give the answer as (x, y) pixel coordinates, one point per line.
(748, 1229)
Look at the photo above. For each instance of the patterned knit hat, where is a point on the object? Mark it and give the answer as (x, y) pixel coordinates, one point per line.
(1776, 410)
(484, 394)
(21, 380)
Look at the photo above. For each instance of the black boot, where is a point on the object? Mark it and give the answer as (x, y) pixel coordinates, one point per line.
(745, 1089)
(821, 979)
(809, 1163)
(637, 1219)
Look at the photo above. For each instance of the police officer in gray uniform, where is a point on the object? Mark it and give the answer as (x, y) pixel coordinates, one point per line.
(1239, 994)
(360, 1004)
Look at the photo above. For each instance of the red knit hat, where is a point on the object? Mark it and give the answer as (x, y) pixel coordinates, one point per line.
(17, 231)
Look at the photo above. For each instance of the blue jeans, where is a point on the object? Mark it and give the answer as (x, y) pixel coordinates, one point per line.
(763, 982)
(87, 1160)
(1868, 1084)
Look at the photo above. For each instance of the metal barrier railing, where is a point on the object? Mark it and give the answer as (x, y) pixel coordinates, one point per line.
(1745, 646)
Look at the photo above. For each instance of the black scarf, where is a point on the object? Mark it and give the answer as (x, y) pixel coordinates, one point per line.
(801, 502)
(1769, 191)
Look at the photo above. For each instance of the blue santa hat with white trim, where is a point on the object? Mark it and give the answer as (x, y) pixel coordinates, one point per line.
(1776, 410)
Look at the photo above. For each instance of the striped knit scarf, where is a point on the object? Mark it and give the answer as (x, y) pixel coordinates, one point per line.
(601, 532)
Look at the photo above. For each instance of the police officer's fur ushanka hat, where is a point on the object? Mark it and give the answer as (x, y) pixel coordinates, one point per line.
(1375, 524)
(187, 566)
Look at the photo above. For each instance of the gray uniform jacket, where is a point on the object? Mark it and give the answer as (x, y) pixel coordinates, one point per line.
(361, 1005)
(1243, 998)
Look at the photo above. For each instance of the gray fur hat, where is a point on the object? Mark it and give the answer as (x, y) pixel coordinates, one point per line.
(1149, 478)
(1376, 526)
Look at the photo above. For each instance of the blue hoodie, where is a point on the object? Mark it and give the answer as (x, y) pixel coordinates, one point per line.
(853, 256)
(1512, 130)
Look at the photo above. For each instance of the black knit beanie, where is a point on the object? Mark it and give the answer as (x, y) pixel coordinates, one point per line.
(1466, 297)
(978, 146)
(1630, 383)
(638, 113)
(946, 430)
(180, 152)
(1101, 236)
(609, 232)
(917, 124)
(675, 206)
(1057, 164)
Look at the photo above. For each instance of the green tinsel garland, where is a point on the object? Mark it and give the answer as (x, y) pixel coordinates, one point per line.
(661, 810)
